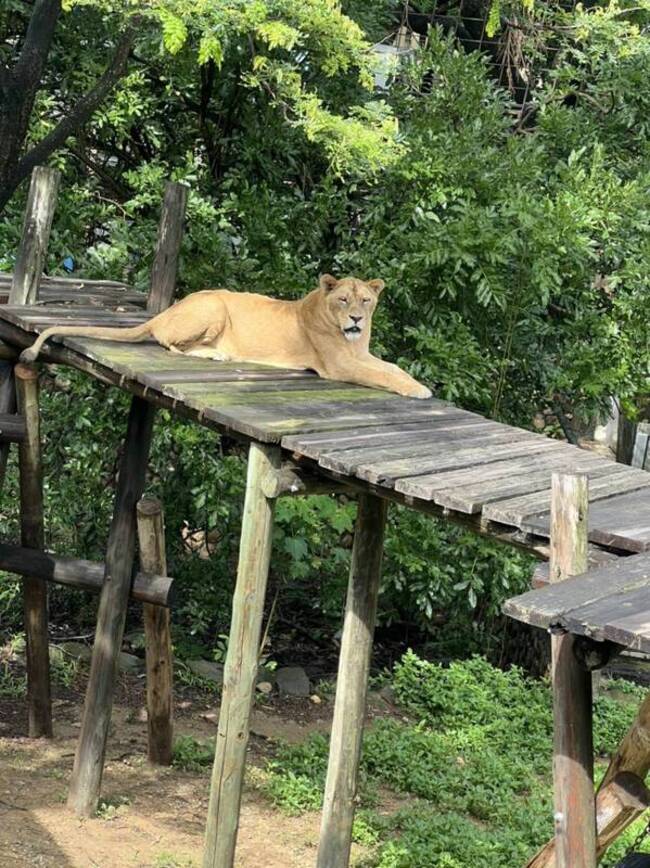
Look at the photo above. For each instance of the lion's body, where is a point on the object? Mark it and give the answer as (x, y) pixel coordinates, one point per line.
(327, 331)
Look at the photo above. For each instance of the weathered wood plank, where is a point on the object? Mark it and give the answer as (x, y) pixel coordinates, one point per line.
(622, 617)
(221, 373)
(472, 499)
(386, 473)
(515, 510)
(168, 247)
(622, 522)
(440, 443)
(426, 486)
(545, 606)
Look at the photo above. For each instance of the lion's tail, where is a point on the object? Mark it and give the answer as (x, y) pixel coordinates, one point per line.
(129, 335)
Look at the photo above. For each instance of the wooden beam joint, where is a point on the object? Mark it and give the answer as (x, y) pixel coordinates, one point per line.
(290, 479)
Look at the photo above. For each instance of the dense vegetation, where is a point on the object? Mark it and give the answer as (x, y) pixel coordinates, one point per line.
(514, 241)
(459, 776)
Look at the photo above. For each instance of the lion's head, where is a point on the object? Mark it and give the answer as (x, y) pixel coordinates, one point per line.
(350, 303)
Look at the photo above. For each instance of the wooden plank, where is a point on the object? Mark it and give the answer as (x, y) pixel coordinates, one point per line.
(622, 522)
(158, 638)
(89, 758)
(544, 607)
(515, 510)
(222, 373)
(471, 499)
(168, 247)
(426, 486)
(312, 445)
(573, 755)
(352, 684)
(386, 473)
(596, 558)
(623, 617)
(242, 662)
(440, 443)
(39, 212)
(32, 536)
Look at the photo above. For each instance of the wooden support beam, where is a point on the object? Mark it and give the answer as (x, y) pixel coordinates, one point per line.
(168, 246)
(91, 748)
(158, 639)
(82, 574)
(12, 428)
(575, 816)
(352, 684)
(242, 661)
(39, 701)
(290, 479)
(41, 203)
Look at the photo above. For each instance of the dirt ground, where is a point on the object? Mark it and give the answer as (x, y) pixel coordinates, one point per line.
(153, 817)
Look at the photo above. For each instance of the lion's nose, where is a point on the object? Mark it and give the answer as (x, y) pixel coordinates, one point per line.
(356, 319)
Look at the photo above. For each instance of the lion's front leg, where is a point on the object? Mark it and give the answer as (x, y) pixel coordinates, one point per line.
(380, 375)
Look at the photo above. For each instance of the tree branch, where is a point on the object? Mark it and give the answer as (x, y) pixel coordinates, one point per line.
(83, 110)
(27, 70)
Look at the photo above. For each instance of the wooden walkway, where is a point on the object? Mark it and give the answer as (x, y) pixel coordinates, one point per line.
(429, 454)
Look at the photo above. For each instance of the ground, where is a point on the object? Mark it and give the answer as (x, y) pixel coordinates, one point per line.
(152, 817)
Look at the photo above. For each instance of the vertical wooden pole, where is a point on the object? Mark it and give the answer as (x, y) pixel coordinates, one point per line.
(352, 684)
(573, 761)
(157, 631)
(41, 202)
(39, 700)
(91, 748)
(168, 246)
(242, 661)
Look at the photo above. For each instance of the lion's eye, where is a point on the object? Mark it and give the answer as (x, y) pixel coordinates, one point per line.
(343, 300)
(366, 301)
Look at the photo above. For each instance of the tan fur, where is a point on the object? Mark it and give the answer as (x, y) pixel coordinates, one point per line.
(314, 332)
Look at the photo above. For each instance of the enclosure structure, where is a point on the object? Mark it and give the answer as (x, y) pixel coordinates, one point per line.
(304, 434)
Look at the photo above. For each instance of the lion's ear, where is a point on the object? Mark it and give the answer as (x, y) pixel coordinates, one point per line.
(376, 286)
(327, 282)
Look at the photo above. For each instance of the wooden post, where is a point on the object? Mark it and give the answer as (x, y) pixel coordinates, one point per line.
(41, 202)
(157, 631)
(242, 661)
(91, 748)
(352, 684)
(39, 700)
(573, 761)
(168, 246)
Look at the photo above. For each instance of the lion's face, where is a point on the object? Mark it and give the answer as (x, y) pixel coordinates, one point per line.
(350, 303)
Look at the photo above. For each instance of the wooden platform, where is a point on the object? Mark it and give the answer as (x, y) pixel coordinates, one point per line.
(610, 603)
(429, 454)
(106, 294)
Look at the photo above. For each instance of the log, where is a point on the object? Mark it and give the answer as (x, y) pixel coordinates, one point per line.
(91, 748)
(81, 574)
(39, 700)
(158, 640)
(242, 661)
(41, 203)
(168, 246)
(352, 684)
(12, 428)
(573, 763)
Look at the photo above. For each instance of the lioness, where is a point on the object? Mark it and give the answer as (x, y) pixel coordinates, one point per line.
(328, 331)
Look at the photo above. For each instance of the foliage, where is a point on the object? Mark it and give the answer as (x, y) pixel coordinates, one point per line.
(191, 755)
(472, 765)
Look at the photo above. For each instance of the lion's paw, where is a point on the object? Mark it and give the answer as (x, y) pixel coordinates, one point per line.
(420, 391)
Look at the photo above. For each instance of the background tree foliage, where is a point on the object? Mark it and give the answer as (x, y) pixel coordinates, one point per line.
(516, 253)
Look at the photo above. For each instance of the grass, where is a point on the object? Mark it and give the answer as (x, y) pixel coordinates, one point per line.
(471, 760)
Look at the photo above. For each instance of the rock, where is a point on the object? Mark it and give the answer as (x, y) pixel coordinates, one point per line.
(265, 687)
(77, 650)
(315, 698)
(265, 673)
(207, 669)
(293, 681)
(130, 663)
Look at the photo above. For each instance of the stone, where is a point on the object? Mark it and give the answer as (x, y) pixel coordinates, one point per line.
(130, 663)
(77, 650)
(207, 669)
(315, 698)
(293, 681)
(265, 687)
(265, 673)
